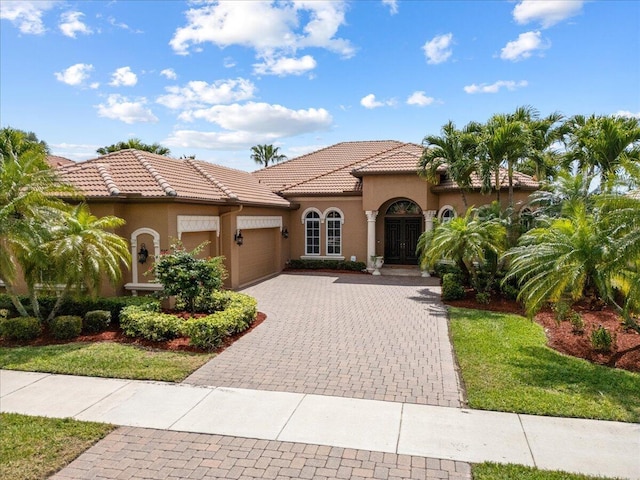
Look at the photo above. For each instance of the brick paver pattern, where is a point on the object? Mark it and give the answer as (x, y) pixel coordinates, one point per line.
(356, 336)
(137, 453)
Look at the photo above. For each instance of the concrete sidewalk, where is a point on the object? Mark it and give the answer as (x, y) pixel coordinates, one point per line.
(575, 445)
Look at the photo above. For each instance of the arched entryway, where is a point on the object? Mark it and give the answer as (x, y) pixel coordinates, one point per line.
(402, 228)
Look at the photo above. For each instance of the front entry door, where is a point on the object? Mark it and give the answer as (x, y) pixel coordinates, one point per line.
(400, 240)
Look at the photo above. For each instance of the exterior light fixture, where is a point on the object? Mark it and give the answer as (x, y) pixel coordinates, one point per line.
(238, 238)
(285, 233)
(143, 254)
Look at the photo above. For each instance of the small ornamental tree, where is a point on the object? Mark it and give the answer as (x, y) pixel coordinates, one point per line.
(187, 277)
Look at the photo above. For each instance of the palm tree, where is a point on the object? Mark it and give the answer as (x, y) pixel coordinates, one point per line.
(28, 207)
(555, 198)
(465, 240)
(543, 160)
(136, 144)
(83, 251)
(568, 259)
(265, 154)
(606, 146)
(451, 152)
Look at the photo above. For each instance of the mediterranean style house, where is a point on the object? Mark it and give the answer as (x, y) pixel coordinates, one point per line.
(352, 201)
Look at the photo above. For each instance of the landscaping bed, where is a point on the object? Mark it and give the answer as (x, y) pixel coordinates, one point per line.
(625, 353)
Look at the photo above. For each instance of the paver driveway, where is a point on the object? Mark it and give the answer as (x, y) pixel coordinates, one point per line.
(350, 335)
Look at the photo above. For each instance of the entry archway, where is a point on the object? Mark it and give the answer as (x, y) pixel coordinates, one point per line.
(402, 228)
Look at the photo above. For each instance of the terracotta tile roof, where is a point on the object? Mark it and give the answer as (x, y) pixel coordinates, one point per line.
(520, 181)
(324, 171)
(403, 159)
(55, 161)
(149, 175)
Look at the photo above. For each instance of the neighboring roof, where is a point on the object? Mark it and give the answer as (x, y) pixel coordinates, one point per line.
(520, 181)
(55, 161)
(138, 173)
(327, 171)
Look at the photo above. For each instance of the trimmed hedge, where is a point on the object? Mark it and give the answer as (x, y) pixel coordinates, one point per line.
(96, 321)
(148, 322)
(327, 264)
(451, 287)
(20, 328)
(65, 327)
(209, 332)
(76, 306)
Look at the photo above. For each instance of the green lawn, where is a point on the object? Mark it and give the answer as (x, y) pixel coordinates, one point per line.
(104, 359)
(496, 471)
(35, 447)
(507, 367)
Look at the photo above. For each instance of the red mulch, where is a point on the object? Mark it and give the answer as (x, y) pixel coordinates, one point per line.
(115, 335)
(625, 354)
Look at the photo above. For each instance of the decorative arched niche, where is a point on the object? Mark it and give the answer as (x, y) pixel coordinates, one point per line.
(135, 279)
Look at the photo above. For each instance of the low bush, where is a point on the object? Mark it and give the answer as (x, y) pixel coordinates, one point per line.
(4, 313)
(601, 339)
(20, 328)
(96, 321)
(483, 297)
(209, 332)
(215, 301)
(327, 265)
(148, 322)
(452, 289)
(442, 268)
(561, 311)
(577, 323)
(65, 327)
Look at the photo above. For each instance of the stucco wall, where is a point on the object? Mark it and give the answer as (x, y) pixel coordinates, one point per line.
(454, 199)
(377, 189)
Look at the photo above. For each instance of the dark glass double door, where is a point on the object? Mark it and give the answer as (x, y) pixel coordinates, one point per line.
(400, 240)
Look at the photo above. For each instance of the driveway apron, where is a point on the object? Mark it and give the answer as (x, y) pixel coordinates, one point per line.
(349, 335)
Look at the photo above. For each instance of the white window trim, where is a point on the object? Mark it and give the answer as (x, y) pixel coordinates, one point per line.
(304, 222)
(311, 209)
(445, 208)
(326, 231)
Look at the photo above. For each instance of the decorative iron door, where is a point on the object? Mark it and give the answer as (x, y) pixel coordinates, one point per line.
(401, 239)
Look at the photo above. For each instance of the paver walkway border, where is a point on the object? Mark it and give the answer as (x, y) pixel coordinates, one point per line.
(583, 446)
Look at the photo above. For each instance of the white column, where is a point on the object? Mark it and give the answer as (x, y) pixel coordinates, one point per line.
(429, 215)
(371, 236)
(428, 226)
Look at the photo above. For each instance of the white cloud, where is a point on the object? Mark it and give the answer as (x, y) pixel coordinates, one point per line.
(123, 77)
(94, 85)
(547, 12)
(370, 102)
(75, 75)
(495, 87)
(246, 125)
(285, 66)
(26, 15)
(627, 114)
(392, 4)
(262, 118)
(420, 99)
(523, 47)
(169, 73)
(74, 151)
(438, 48)
(113, 22)
(121, 108)
(199, 94)
(70, 24)
(229, 62)
(267, 27)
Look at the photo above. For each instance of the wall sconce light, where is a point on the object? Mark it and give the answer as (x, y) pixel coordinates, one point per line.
(238, 238)
(143, 254)
(285, 233)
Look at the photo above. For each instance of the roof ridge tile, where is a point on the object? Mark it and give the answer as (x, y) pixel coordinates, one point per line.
(226, 190)
(160, 180)
(103, 170)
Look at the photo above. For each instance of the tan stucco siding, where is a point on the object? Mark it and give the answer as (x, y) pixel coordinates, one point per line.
(377, 189)
(354, 228)
(454, 199)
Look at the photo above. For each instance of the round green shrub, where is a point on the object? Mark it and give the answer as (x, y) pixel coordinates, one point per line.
(20, 328)
(147, 322)
(65, 327)
(452, 289)
(96, 321)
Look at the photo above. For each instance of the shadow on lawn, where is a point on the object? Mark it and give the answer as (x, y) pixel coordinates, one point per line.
(546, 368)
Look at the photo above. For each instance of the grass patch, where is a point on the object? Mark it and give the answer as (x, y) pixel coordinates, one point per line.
(35, 447)
(506, 366)
(496, 471)
(104, 359)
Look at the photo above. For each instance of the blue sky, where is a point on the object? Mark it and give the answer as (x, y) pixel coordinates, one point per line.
(214, 78)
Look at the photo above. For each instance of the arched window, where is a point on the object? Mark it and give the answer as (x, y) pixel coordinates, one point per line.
(526, 219)
(447, 213)
(334, 233)
(312, 233)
